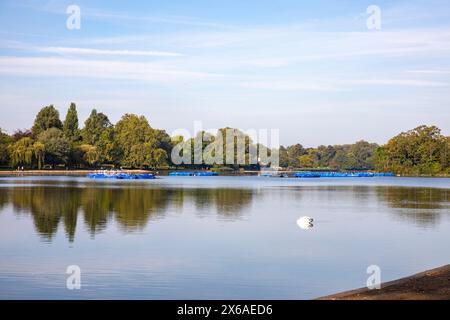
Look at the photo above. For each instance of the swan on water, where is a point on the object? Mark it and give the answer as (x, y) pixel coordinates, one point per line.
(305, 223)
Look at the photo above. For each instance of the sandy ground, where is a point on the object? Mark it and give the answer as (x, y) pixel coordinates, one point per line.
(429, 285)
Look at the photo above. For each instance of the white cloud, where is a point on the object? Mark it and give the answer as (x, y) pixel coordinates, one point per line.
(90, 51)
(433, 72)
(289, 86)
(334, 85)
(398, 82)
(60, 67)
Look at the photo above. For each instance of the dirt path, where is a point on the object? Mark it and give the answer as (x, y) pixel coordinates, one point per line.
(429, 285)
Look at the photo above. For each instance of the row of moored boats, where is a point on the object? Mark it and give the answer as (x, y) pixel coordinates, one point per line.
(121, 175)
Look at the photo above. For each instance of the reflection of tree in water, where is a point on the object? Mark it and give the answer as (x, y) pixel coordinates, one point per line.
(96, 204)
(229, 202)
(423, 206)
(132, 207)
(3, 197)
(48, 206)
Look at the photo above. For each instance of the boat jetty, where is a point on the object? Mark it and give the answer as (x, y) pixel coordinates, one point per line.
(121, 175)
(193, 174)
(336, 174)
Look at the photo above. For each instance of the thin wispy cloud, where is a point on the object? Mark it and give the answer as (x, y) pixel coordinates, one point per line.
(290, 86)
(176, 20)
(336, 85)
(102, 52)
(432, 72)
(107, 69)
(400, 82)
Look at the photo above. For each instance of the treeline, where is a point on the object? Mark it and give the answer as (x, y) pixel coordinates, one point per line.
(133, 143)
(423, 150)
(357, 156)
(420, 151)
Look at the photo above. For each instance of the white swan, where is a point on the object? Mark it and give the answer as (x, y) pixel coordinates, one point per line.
(305, 223)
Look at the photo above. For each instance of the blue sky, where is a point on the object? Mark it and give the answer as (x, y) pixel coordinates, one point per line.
(309, 68)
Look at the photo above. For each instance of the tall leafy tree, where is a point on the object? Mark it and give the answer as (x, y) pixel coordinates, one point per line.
(90, 154)
(48, 117)
(21, 152)
(293, 153)
(56, 146)
(306, 161)
(94, 126)
(325, 155)
(39, 153)
(140, 145)
(70, 127)
(417, 151)
(284, 159)
(364, 153)
(108, 148)
(5, 140)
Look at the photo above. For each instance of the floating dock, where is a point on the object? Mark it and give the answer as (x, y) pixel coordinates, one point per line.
(192, 174)
(121, 176)
(327, 174)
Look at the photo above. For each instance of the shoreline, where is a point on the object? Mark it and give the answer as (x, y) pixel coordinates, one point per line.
(432, 284)
(79, 172)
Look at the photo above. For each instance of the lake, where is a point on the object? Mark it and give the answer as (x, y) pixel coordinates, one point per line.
(216, 237)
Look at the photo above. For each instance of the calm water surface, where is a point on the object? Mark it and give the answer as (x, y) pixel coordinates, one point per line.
(216, 237)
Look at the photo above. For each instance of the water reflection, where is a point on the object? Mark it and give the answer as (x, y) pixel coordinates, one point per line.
(131, 207)
(3, 197)
(204, 238)
(422, 206)
(228, 203)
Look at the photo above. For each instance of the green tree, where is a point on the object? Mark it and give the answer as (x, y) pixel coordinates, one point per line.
(445, 155)
(70, 127)
(5, 140)
(94, 127)
(324, 156)
(39, 153)
(364, 153)
(417, 151)
(340, 160)
(48, 117)
(237, 139)
(107, 146)
(293, 153)
(90, 154)
(284, 159)
(21, 152)
(138, 142)
(159, 158)
(56, 146)
(306, 161)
